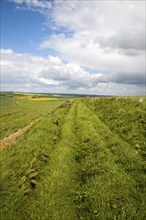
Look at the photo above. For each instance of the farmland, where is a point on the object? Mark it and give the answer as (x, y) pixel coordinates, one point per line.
(83, 159)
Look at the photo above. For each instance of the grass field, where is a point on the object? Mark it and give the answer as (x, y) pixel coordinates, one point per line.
(86, 160)
(19, 111)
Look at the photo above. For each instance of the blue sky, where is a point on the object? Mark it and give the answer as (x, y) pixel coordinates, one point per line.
(21, 30)
(95, 47)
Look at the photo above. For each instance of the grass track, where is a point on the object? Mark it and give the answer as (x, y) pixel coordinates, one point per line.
(61, 180)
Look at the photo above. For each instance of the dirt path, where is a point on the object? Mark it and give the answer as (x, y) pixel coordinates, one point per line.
(8, 141)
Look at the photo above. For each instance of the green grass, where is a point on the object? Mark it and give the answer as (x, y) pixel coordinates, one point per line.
(74, 164)
(125, 116)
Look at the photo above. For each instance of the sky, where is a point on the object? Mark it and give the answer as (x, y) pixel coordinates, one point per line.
(73, 46)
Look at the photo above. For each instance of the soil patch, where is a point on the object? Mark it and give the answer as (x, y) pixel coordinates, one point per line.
(8, 141)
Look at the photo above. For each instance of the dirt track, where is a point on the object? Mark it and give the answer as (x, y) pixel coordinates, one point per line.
(8, 141)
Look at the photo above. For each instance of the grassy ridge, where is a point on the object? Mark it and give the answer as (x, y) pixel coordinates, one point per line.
(71, 165)
(125, 116)
(111, 173)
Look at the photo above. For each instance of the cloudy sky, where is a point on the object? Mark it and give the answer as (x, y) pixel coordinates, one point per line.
(73, 46)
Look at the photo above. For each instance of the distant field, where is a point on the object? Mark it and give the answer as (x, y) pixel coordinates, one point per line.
(86, 160)
(44, 99)
(19, 111)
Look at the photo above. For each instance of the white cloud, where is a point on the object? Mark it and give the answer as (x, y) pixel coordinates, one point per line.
(106, 35)
(93, 56)
(50, 74)
(8, 51)
(32, 4)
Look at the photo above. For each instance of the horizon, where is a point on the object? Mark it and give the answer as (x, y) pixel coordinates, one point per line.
(70, 94)
(73, 47)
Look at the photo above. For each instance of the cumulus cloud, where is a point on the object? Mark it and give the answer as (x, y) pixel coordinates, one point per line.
(103, 35)
(88, 54)
(51, 71)
(51, 74)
